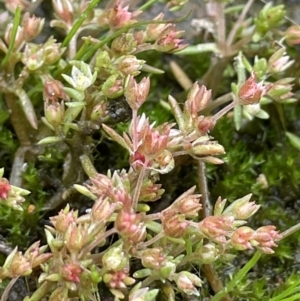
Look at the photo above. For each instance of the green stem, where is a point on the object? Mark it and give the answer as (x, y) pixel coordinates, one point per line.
(147, 5)
(8, 288)
(83, 54)
(199, 48)
(137, 189)
(223, 111)
(14, 31)
(239, 22)
(290, 231)
(218, 102)
(152, 217)
(97, 240)
(238, 277)
(221, 23)
(125, 29)
(79, 22)
(151, 241)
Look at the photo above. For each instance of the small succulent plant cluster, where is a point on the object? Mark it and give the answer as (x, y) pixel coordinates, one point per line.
(77, 85)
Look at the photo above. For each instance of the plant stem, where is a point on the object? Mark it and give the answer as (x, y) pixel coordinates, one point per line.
(202, 183)
(219, 102)
(290, 231)
(214, 281)
(73, 32)
(134, 130)
(152, 217)
(8, 288)
(238, 277)
(152, 240)
(17, 19)
(221, 23)
(239, 22)
(223, 111)
(97, 240)
(137, 189)
(148, 4)
(208, 269)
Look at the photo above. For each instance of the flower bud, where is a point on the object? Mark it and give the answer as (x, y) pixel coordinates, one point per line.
(71, 271)
(101, 210)
(251, 92)
(153, 31)
(12, 5)
(99, 112)
(127, 223)
(64, 10)
(279, 62)
(135, 93)
(208, 253)
(241, 238)
(206, 124)
(114, 259)
(197, 100)
(174, 224)
(217, 227)
(188, 205)
(112, 87)
(19, 39)
(35, 254)
(33, 57)
(155, 142)
(142, 294)
(65, 217)
(219, 206)
(75, 237)
(120, 16)
(4, 188)
(102, 185)
(52, 52)
(169, 41)
(264, 238)
(292, 35)
(15, 265)
(130, 65)
(54, 113)
(281, 90)
(150, 191)
(54, 91)
(103, 61)
(153, 258)
(32, 26)
(242, 208)
(186, 282)
(124, 44)
(118, 280)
